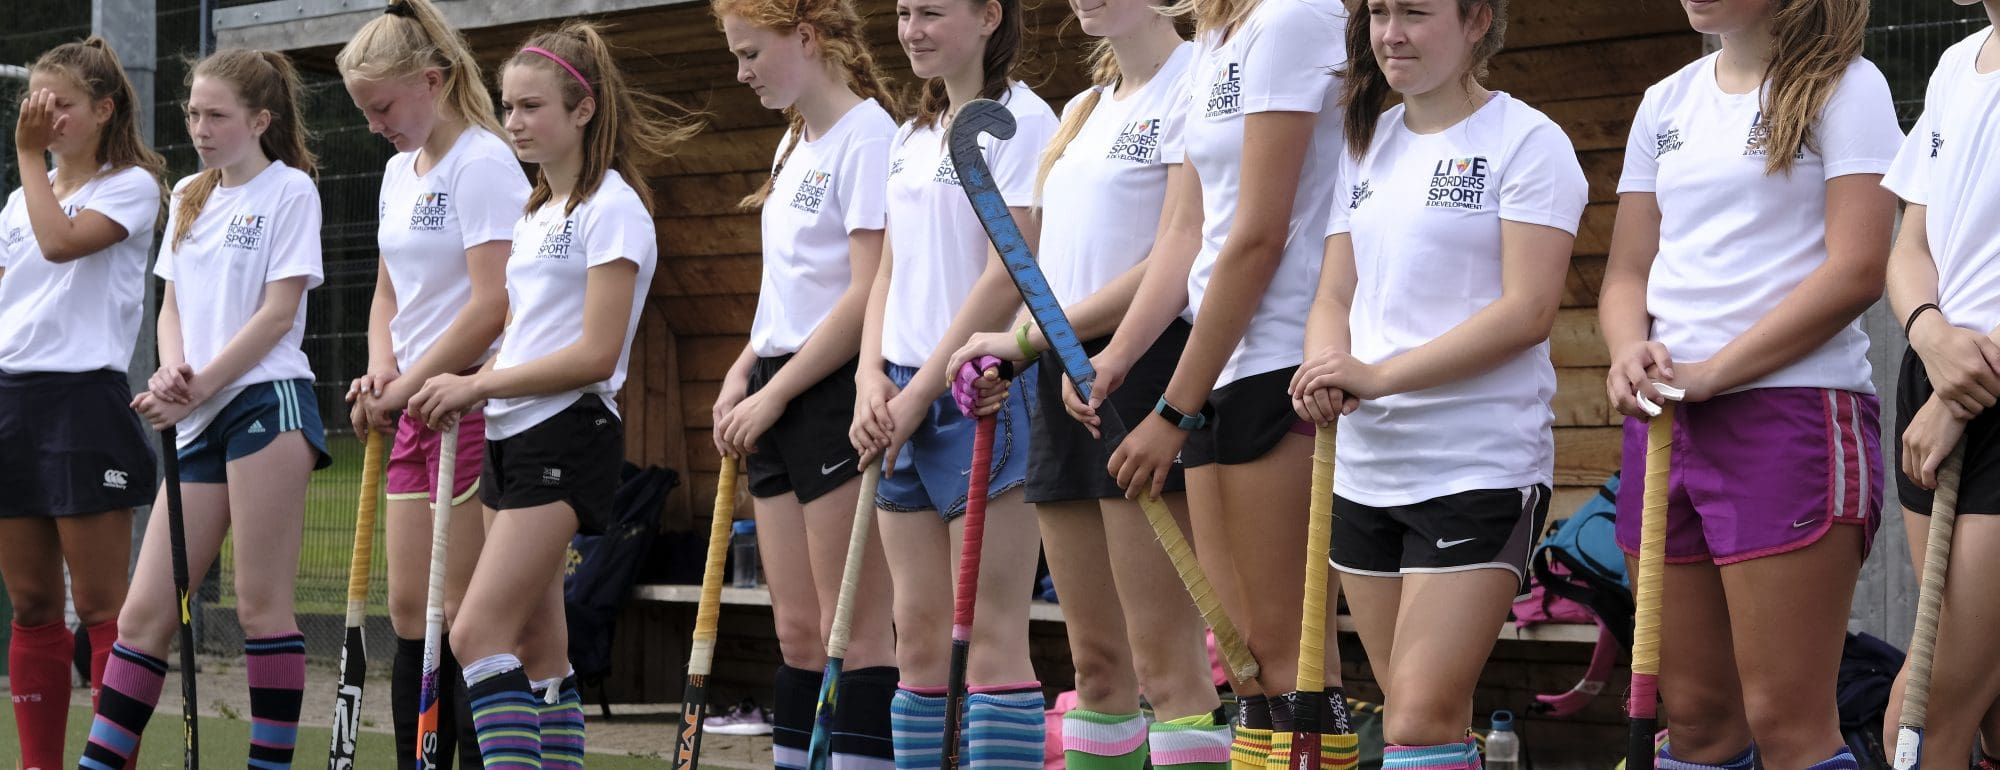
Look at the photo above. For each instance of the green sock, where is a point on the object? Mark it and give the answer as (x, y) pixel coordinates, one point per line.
(1189, 743)
(1095, 741)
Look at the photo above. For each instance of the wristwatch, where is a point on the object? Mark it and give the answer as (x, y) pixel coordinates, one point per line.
(1180, 419)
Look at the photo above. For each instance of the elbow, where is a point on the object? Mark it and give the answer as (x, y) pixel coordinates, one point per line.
(600, 365)
(61, 253)
(1533, 324)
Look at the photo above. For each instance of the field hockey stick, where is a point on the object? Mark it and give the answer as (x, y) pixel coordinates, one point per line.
(701, 654)
(972, 543)
(354, 652)
(820, 751)
(427, 699)
(1648, 585)
(987, 116)
(1930, 599)
(1308, 696)
(177, 536)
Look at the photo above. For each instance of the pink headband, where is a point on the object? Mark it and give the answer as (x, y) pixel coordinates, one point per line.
(587, 90)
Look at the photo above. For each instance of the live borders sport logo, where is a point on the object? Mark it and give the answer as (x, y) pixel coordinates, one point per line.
(1459, 183)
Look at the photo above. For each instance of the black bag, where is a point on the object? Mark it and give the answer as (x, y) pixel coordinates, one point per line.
(600, 570)
(1868, 669)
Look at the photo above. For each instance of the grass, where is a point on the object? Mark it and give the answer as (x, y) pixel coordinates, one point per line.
(328, 545)
(224, 742)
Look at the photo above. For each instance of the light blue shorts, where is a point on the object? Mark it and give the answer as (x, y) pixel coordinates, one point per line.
(934, 469)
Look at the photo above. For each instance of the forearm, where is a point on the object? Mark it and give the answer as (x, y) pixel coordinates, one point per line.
(381, 346)
(167, 335)
(1824, 303)
(52, 228)
(1327, 325)
(468, 337)
(989, 307)
(831, 346)
(1100, 313)
(871, 319)
(1912, 281)
(1235, 290)
(1621, 310)
(249, 346)
(569, 368)
(1489, 338)
(1160, 297)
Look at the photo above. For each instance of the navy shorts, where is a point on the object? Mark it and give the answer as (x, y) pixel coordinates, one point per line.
(253, 419)
(70, 444)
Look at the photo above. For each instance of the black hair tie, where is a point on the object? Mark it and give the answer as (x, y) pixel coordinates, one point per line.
(399, 8)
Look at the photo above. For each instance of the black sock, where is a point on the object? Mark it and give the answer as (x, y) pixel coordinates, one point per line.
(1334, 717)
(406, 674)
(1281, 713)
(456, 717)
(1254, 712)
(796, 698)
(861, 718)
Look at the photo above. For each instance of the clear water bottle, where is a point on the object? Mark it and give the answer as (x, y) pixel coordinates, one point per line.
(1503, 745)
(743, 544)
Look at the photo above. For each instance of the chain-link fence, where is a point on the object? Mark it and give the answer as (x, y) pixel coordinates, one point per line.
(1905, 39)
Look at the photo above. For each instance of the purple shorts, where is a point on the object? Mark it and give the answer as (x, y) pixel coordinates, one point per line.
(1761, 472)
(413, 459)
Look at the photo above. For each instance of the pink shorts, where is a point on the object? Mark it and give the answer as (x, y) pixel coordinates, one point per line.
(413, 459)
(1760, 472)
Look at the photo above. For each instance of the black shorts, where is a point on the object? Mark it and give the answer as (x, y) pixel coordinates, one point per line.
(1979, 481)
(70, 444)
(1064, 461)
(1482, 528)
(1251, 416)
(573, 457)
(806, 452)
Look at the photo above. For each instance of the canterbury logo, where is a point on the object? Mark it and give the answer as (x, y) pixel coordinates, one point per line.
(114, 479)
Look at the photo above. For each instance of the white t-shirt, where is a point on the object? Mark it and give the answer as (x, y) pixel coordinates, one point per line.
(1101, 203)
(1280, 59)
(1734, 240)
(829, 188)
(82, 315)
(427, 222)
(546, 276)
(259, 232)
(1949, 164)
(1424, 211)
(939, 246)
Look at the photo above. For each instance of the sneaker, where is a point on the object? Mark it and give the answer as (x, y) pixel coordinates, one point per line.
(747, 718)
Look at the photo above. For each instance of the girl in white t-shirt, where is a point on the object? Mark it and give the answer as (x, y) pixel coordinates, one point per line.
(1103, 187)
(582, 257)
(73, 245)
(787, 402)
(1752, 232)
(1942, 282)
(1263, 146)
(938, 282)
(448, 205)
(242, 248)
(1445, 258)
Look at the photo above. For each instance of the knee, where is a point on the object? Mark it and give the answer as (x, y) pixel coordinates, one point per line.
(1424, 722)
(798, 638)
(148, 629)
(406, 615)
(1708, 724)
(38, 608)
(264, 613)
(1104, 675)
(473, 637)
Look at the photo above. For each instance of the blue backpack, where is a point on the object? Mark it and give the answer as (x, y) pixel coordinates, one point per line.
(1581, 562)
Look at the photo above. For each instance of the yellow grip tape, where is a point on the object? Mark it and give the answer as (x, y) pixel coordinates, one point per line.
(1649, 587)
(711, 578)
(1319, 535)
(364, 519)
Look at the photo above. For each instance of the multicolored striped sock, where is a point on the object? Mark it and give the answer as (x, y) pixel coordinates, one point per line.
(1450, 756)
(132, 682)
(276, 669)
(861, 735)
(1841, 760)
(1098, 741)
(1005, 726)
(1189, 743)
(505, 713)
(1339, 751)
(795, 698)
(1665, 760)
(1251, 743)
(561, 724)
(916, 727)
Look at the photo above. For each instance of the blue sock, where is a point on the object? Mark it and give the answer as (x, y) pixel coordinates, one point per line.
(1667, 761)
(1006, 727)
(1841, 760)
(916, 728)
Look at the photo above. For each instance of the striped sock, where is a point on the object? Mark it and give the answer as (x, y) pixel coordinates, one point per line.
(916, 727)
(1096, 741)
(1841, 760)
(1189, 743)
(38, 659)
(796, 698)
(1005, 726)
(1339, 751)
(1280, 756)
(132, 682)
(1665, 760)
(1472, 755)
(1252, 739)
(561, 725)
(505, 713)
(1450, 756)
(276, 669)
(861, 736)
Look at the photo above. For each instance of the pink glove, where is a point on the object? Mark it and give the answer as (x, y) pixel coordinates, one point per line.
(963, 392)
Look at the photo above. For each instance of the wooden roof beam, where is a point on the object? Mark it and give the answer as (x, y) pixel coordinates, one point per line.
(295, 25)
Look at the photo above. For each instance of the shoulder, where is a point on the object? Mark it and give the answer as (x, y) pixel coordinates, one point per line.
(288, 182)
(1028, 105)
(615, 198)
(1675, 87)
(1298, 17)
(1863, 77)
(131, 177)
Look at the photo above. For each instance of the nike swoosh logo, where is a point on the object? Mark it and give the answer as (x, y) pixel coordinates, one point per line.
(1797, 524)
(1443, 543)
(827, 470)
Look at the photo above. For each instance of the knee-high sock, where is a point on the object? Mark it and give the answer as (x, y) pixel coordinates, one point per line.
(1005, 726)
(505, 713)
(276, 669)
(1449, 756)
(1098, 741)
(1189, 743)
(797, 697)
(1665, 760)
(861, 731)
(406, 673)
(38, 664)
(102, 636)
(132, 682)
(455, 734)
(562, 724)
(1280, 757)
(916, 724)
(1252, 743)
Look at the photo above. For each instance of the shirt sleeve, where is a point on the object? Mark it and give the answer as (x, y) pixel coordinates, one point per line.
(489, 194)
(164, 266)
(1858, 133)
(864, 185)
(1543, 184)
(1909, 175)
(1290, 57)
(1642, 164)
(1015, 161)
(619, 230)
(1173, 126)
(1340, 218)
(295, 247)
(131, 198)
